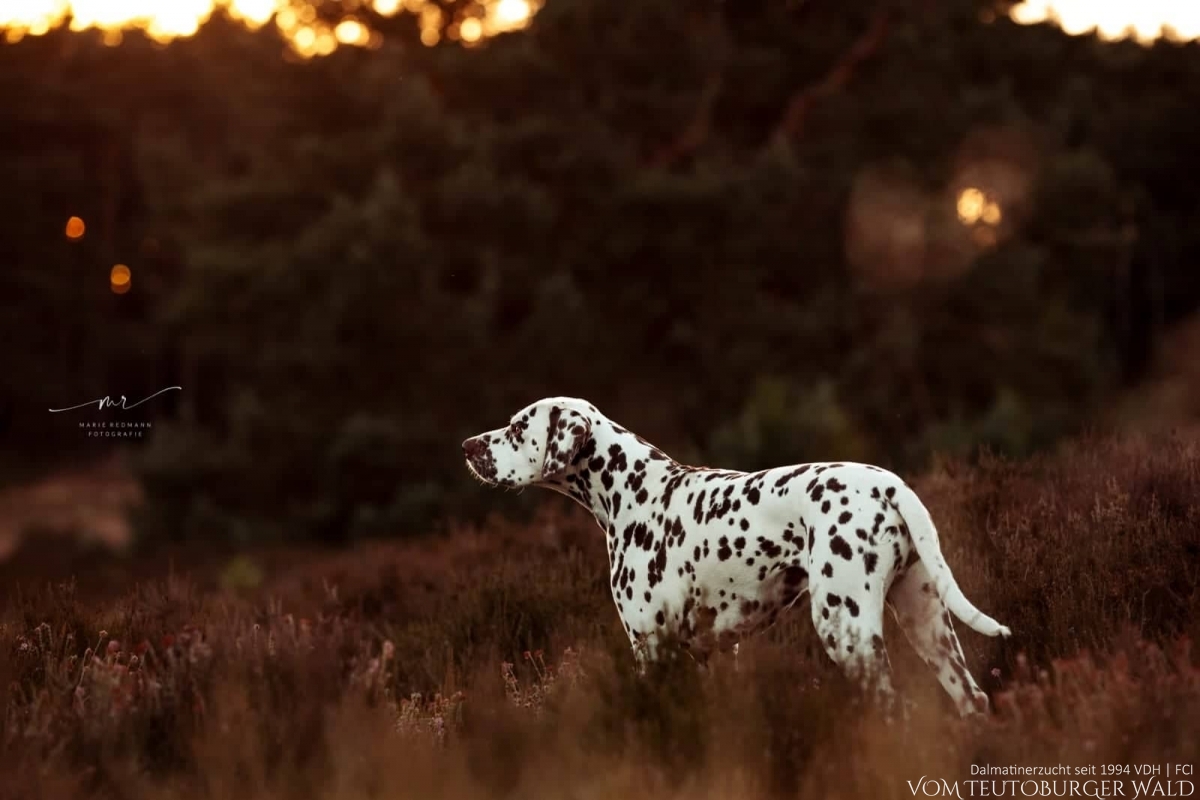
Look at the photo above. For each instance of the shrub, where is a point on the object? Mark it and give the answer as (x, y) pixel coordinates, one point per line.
(489, 663)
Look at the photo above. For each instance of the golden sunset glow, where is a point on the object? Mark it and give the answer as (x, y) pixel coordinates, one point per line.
(164, 20)
(1114, 20)
(120, 279)
(75, 228)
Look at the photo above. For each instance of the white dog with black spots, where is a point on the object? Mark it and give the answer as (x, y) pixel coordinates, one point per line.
(712, 555)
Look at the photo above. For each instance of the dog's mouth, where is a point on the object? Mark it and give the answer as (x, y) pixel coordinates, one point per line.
(481, 474)
(486, 474)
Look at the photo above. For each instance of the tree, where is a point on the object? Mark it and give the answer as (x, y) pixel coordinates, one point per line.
(833, 231)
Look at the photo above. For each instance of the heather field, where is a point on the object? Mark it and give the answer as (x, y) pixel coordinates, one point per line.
(487, 661)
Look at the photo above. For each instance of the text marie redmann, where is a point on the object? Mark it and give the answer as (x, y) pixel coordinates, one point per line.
(119, 430)
(1063, 781)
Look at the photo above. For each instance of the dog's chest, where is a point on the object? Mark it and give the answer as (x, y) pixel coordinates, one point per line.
(705, 576)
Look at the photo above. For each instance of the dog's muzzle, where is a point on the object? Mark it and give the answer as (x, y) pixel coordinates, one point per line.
(479, 459)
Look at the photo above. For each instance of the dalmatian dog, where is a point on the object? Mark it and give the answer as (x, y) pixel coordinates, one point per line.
(712, 555)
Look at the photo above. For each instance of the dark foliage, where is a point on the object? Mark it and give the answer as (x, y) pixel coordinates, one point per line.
(735, 231)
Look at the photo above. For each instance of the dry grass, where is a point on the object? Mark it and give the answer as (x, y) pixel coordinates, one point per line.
(488, 663)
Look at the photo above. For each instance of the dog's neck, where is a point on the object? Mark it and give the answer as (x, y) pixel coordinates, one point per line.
(610, 471)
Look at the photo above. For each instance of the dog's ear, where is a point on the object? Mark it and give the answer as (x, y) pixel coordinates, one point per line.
(566, 435)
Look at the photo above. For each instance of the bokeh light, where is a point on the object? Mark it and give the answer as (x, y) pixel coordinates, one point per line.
(351, 31)
(984, 237)
(165, 20)
(75, 228)
(1113, 20)
(982, 214)
(990, 192)
(974, 207)
(992, 214)
(120, 279)
(471, 29)
(886, 227)
(900, 229)
(512, 12)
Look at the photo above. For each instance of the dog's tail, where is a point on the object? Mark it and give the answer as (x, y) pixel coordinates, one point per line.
(925, 539)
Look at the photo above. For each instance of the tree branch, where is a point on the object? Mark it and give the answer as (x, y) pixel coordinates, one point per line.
(696, 132)
(791, 125)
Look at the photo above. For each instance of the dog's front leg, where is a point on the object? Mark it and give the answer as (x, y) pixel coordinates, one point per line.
(645, 651)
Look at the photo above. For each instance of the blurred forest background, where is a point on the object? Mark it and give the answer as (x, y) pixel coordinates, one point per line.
(757, 232)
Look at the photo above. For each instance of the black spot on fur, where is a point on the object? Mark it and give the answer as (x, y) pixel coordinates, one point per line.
(723, 552)
(793, 474)
(840, 547)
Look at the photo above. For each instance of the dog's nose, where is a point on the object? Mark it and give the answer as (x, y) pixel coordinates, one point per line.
(472, 447)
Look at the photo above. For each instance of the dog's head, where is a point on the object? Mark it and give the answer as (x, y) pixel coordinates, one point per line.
(540, 443)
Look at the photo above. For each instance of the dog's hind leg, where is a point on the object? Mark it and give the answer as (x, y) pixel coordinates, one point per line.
(926, 622)
(852, 635)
